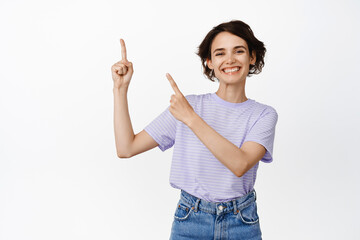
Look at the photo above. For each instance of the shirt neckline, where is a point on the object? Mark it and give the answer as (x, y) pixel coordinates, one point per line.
(229, 104)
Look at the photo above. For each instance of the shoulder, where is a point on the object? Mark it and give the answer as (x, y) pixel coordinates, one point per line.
(263, 113)
(195, 98)
(264, 109)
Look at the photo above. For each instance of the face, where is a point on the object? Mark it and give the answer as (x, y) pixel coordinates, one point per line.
(230, 58)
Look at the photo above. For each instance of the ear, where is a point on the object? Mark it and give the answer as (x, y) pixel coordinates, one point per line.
(253, 58)
(209, 64)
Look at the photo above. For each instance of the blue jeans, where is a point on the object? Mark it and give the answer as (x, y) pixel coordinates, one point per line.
(202, 220)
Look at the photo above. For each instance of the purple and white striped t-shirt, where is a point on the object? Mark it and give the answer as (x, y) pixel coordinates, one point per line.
(194, 168)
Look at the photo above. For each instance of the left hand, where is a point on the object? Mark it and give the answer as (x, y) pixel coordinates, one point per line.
(179, 106)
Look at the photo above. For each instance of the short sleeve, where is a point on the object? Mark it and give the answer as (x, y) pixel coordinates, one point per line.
(163, 129)
(263, 132)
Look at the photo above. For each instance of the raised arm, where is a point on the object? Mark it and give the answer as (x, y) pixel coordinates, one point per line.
(127, 144)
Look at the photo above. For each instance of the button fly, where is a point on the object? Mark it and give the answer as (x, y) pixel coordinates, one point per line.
(221, 207)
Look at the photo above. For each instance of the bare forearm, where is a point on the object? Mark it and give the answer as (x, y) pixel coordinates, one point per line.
(224, 150)
(124, 133)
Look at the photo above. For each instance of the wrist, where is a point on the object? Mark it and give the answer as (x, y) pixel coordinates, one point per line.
(192, 119)
(122, 89)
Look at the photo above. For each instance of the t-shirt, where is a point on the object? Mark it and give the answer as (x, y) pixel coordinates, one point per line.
(194, 168)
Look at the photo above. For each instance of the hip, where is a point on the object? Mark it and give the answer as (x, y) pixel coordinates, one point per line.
(196, 218)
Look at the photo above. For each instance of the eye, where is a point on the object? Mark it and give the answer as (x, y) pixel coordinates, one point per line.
(240, 51)
(217, 54)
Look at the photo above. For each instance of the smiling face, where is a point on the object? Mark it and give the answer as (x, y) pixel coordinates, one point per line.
(230, 58)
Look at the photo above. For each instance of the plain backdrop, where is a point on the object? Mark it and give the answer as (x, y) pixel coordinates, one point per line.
(60, 177)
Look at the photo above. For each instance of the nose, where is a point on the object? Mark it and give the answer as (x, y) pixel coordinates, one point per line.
(230, 59)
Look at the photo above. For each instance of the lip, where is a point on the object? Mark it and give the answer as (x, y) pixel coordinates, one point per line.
(231, 73)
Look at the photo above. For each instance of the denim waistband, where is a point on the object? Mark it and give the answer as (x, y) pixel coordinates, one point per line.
(217, 208)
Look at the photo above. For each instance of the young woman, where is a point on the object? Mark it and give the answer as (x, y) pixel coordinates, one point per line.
(219, 138)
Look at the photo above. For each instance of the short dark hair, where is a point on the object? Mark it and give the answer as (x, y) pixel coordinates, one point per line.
(239, 29)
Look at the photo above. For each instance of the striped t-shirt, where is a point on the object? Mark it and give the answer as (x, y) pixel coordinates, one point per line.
(194, 168)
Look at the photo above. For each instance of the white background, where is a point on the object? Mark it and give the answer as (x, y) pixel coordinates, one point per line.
(60, 177)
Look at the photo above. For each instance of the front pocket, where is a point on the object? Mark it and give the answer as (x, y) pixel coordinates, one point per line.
(249, 214)
(182, 212)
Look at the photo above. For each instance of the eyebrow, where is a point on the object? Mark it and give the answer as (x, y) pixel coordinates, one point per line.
(221, 49)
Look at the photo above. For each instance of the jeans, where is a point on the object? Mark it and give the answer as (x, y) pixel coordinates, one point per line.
(202, 220)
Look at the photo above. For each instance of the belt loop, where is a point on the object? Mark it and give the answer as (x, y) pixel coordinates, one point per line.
(235, 207)
(197, 205)
(255, 194)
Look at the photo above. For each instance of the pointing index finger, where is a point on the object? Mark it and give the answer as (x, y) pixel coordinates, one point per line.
(123, 49)
(173, 84)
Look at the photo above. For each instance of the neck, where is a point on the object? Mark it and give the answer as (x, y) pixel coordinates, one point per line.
(232, 93)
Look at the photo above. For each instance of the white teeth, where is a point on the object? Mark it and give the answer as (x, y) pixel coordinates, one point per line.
(231, 70)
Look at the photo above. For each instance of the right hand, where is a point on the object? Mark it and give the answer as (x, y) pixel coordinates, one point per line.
(122, 71)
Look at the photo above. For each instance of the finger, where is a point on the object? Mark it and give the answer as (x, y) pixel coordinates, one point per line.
(121, 70)
(118, 70)
(128, 64)
(114, 68)
(120, 65)
(173, 84)
(123, 49)
(172, 96)
(124, 70)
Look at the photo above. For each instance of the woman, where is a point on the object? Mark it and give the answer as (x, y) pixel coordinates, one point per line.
(220, 137)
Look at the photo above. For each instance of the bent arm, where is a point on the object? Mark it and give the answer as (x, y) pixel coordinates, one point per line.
(128, 144)
(237, 160)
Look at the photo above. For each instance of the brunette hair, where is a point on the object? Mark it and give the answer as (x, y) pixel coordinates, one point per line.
(239, 29)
